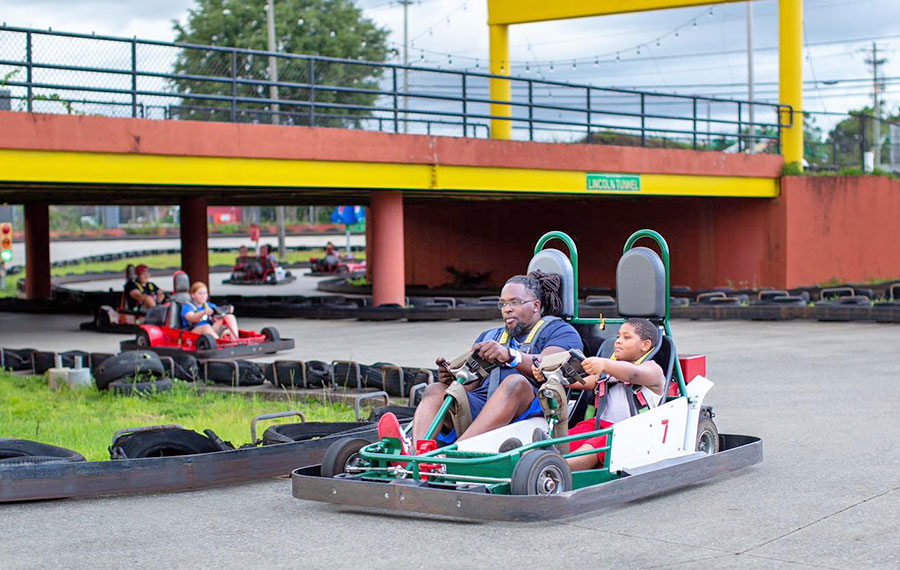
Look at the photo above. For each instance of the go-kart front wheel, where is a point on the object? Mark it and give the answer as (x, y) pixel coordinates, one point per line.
(707, 436)
(142, 340)
(541, 472)
(342, 455)
(206, 342)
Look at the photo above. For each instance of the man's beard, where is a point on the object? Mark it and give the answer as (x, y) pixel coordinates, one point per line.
(516, 330)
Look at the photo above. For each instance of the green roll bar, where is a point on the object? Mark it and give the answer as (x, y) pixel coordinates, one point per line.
(629, 243)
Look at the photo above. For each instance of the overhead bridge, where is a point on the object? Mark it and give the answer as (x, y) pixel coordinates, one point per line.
(597, 163)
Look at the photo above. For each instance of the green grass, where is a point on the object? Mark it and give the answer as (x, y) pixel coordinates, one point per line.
(166, 261)
(86, 420)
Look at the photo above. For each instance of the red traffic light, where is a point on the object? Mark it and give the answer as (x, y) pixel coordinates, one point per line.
(6, 228)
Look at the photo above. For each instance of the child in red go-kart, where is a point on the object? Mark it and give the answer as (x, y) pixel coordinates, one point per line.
(198, 315)
(636, 339)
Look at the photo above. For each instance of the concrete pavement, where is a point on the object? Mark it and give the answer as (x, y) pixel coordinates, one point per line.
(824, 397)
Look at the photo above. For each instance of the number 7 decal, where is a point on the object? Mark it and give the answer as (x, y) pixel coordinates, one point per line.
(665, 424)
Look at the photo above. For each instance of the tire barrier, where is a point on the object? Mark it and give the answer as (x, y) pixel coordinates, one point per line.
(26, 452)
(288, 433)
(127, 387)
(233, 372)
(160, 441)
(42, 361)
(141, 364)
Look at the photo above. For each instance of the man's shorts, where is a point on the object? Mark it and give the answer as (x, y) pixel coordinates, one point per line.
(477, 400)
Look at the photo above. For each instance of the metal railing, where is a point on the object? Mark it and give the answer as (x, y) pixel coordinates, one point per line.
(851, 143)
(59, 72)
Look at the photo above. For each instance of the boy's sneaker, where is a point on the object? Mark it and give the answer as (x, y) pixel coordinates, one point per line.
(389, 426)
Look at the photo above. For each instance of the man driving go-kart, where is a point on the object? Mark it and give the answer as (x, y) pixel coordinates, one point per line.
(528, 305)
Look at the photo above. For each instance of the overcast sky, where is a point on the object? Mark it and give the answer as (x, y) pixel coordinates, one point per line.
(607, 51)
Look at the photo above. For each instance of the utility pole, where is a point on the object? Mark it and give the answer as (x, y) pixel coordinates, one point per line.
(876, 103)
(406, 4)
(750, 75)
(273, 95)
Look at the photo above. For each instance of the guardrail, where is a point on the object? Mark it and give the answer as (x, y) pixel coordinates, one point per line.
(59, 72)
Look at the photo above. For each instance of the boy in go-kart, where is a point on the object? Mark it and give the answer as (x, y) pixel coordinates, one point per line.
(528, 304)
(620, 375)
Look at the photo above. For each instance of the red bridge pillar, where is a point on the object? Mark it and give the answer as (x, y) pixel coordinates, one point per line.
(37, 250)
(388, 277)
(194, 239)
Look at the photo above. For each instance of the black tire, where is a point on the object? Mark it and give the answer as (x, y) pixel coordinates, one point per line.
(707, 436)
(218, 441)
(271, 334)
(510, 444)
(127, 364)
(186, 367)
(125, 387)
(342, 454)
(103, 321)
(17, 358)
(25, 452)
(207, 342)
(541, 472)
(539, 435)
(249, 373)
(162, 443)
(289, 433)
(142, 340)
(403, 413)
(317, 373)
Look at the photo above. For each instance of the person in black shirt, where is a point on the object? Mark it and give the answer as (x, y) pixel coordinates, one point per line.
(140, 293)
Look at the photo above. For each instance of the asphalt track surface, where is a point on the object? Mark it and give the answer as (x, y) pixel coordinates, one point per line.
(823, 396)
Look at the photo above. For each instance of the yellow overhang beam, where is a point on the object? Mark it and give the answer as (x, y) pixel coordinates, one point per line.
(506, 12)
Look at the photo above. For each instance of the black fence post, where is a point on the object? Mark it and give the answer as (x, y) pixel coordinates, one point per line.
(396, 111)
(312, 92)
(233, 86)
(133, 77)
(465, 106)
(694, 121)
(530, 110)
(589, 136)
(740, 128)
(643, 122)
(28, 72)
(862, 142)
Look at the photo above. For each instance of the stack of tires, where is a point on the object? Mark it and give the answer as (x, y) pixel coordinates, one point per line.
(133, 371)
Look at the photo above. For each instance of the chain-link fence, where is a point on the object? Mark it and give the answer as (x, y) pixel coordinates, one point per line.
(836, 142)
(54, 72)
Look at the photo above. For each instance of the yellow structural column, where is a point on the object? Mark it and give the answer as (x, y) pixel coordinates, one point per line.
(501, 89)
(790, 76)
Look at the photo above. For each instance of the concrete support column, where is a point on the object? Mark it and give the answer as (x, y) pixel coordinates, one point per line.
(195, 239)
(37, 250)
(790, 76)
(388, 277)
(370, 242)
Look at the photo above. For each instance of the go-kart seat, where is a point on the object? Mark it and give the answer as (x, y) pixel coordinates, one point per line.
(555, 261)
(173, 316)
(181, 286)
(641, 285)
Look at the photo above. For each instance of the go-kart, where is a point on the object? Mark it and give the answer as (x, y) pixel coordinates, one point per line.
(168, 339)
(258, 271)
(319, 267)
(519, 471)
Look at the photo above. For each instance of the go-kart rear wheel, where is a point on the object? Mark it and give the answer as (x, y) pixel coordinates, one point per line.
(206, 342)
(541, 472)
(271, 334)
(142, 339)
(342, 455)
(103, 319)
(707, 436)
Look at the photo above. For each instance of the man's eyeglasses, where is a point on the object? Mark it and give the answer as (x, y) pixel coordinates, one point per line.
(515, 304)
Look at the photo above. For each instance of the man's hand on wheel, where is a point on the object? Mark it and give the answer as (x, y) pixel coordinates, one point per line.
(444, 374)
(493, 351)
